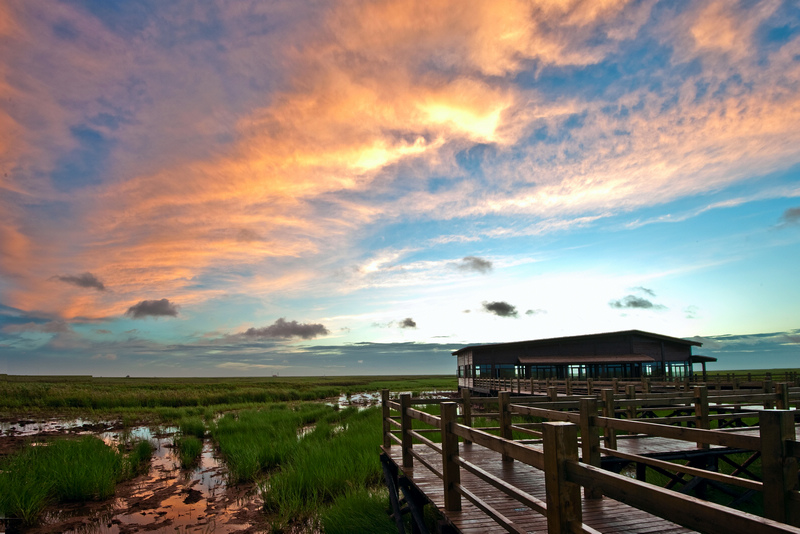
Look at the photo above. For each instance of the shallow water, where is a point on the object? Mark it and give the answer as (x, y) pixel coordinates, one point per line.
(32, 428)
(166, 499)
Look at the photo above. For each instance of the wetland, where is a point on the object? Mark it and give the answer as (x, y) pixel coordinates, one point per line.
(195, 455)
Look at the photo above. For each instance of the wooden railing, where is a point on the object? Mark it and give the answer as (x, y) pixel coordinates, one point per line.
(643, 385)
(557, 454)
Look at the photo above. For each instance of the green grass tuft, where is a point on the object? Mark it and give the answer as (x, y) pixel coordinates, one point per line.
(64, 471)
(360, 510)
(189, 449)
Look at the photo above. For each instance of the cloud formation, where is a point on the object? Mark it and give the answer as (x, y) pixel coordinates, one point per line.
(283, 329)
(87, 280)
(500, 308)
(644, 290)
(330, 130)
(791, 216)
(408, 322)
(153, 308)
(474, 264)
(634, 302)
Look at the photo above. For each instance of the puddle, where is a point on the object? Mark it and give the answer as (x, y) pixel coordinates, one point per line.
(166, 499)
(362, 400)
(32, 428)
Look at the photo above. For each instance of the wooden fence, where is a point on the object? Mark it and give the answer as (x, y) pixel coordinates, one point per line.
(730, 382)
(570, 463)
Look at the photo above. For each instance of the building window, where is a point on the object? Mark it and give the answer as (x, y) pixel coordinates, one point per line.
(506, 371)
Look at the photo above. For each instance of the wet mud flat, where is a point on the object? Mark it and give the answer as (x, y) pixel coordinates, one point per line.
(166, 499)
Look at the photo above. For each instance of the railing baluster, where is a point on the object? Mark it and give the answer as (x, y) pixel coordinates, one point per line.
(451, 473)
(563, 497)
(405, 435)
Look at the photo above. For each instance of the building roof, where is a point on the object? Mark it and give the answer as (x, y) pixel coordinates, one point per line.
(589, 358)
(696, 358)
(569, 339)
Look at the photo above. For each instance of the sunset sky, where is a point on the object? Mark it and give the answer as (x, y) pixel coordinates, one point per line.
(227, 188)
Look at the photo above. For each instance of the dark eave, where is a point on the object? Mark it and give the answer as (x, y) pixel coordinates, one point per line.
(570, 339)
(585, 359)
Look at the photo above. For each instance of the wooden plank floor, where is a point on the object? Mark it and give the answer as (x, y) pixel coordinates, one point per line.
(605, 515)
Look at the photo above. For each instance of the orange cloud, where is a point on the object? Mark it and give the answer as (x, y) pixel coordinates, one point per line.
(208, 184)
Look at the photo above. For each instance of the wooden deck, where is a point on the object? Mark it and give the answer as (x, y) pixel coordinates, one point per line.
(605, 515)
(483, 480)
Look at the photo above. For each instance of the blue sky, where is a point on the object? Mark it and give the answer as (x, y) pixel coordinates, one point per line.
(320, 188)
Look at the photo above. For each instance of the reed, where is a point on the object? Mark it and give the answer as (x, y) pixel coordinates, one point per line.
(327, 465)
(64, 471)
(358, 510)
(255, 441)
(189, 449)
(65, 394)
(192, 426)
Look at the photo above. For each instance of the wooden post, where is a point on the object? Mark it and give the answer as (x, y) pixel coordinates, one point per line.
(615, 385)
(778, 468)
(630, 393)
(609, 435)
(590, 441)
(563, 498)
(590, 386)
(505, 420)
(568, 387)
(387, 441)
(552, 393)
(701, 419)
(451, 473)
(768, 405)
(645, 386)
(782, 389)
(466, 396)
(405, 428)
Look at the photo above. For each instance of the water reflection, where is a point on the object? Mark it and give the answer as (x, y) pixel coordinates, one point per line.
(166, 499)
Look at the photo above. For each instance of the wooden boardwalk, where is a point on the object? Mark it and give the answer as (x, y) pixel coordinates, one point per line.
(563, 478)
(605, 515)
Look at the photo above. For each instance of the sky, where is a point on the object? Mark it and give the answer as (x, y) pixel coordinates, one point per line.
(246, 188)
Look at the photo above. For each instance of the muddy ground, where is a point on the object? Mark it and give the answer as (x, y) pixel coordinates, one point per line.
(166, 499)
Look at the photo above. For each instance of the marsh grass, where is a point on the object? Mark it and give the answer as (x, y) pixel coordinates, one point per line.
(358, 510)
(192, 426)
(189, 449)
(67, 394)
(64, 471)
(254, 441)
(326, 466)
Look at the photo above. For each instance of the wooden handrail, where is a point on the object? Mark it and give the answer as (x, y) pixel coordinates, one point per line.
(525, 498)
(702, 473)
(780, 450)
(523, 453)
(711, 437)
(681, 509)
(499, 518)
(422, 439)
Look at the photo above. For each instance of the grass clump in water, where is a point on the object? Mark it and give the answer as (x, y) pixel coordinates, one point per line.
(64, 471)
(327, 465)
(189, 449)
(192, 426)
(254, 441)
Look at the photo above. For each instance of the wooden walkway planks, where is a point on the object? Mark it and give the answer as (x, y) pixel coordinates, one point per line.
(605, 515)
